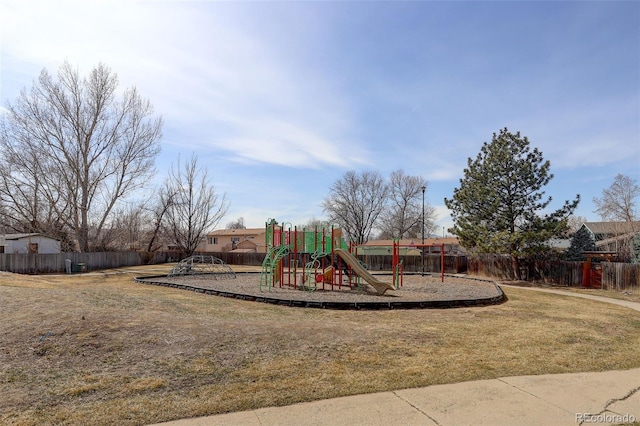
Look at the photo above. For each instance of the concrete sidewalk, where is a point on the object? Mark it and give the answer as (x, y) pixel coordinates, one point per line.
(611, 397)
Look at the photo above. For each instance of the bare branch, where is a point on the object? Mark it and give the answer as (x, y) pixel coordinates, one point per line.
(196, 207)
(92, 148)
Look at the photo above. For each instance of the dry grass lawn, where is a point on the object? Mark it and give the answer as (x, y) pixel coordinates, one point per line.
(100, 349)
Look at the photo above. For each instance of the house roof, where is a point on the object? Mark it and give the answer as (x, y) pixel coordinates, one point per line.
(25, 235)
(236, 232)
(612, 228)
(243, 250)
(415, 241)
(559, 243)
(247, 244)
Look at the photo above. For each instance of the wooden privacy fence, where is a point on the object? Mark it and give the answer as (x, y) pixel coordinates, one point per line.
(452, 264)
(250, 259)
(548, 271)
(615, 276)
(491, 266)
(56, 263)
(621, 277)
(555, 272)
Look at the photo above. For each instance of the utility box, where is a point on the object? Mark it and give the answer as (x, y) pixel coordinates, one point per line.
(79, 267)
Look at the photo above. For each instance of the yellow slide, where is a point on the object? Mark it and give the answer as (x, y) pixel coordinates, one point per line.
(355, 265)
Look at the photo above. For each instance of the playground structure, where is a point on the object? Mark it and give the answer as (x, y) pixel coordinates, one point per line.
(201, 266)
(359, 269)
(301, 258)
(320, 259)
(307, 260)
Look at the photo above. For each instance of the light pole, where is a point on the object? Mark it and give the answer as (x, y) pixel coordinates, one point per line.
(423, 189)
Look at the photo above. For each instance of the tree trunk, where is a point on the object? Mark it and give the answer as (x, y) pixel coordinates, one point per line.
(515, 265)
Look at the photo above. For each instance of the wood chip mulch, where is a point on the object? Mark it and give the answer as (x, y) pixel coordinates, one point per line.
(414, 288)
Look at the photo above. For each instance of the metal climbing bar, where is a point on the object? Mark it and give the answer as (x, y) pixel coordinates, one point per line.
(203, 266)
(273, 257)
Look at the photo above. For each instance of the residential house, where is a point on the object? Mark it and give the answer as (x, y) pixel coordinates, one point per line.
(411, 247)
(612, 236)
(29, 243)
(237, 240)
(559, 244)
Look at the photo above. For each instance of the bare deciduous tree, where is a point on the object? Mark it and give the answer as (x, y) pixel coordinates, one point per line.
(618, 205)
(236, 224)
(356, 202)
(618, 202)
(196, 207)
(25, 208)
(164, 201)
(314, 224)
(575, 223)
(77, 148)
(139, 226)
(403, 217)
(126, 230)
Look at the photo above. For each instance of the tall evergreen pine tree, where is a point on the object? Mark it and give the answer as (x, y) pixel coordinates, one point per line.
(581, 241)
(499, 205)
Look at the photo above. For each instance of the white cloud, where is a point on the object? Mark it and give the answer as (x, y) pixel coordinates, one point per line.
(443, 220)
(222, 85)
(594, 134)
(46, 32)
(444, 170)
(275, 141)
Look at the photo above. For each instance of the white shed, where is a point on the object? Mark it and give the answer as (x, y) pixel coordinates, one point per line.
(29, 243)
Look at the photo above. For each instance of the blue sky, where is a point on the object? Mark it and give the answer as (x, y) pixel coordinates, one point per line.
(280, 99)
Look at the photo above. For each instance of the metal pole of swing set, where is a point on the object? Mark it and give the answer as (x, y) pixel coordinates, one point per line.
(423, 189)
